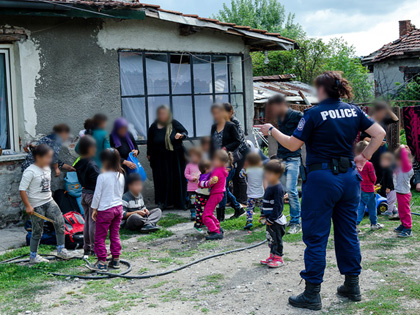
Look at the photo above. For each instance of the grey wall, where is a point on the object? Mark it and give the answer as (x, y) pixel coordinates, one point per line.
(67, 70)
(387, 73)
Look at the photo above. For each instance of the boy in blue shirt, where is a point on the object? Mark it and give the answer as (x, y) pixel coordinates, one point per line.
(272, 213)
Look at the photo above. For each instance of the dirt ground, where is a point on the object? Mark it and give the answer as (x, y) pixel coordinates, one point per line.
(234, 283)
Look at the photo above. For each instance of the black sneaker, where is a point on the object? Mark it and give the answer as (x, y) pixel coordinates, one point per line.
(238, 213)
(149, 228)
(213, 236)
(99, 266)
(405, 233)
(399, 229)
(114, 263)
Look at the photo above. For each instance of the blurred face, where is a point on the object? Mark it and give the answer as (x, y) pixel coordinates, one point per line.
(219, 115)
(205, 147)
(91, 151)
(271, 178)
(385, 162)
(46, 160)
(195, 158)
(379, 115)
(280, 109)
(218, 163)
(136, 188)
(102, 124)
(122, 131)
(163, 115)
(321, 94)
(64, 135)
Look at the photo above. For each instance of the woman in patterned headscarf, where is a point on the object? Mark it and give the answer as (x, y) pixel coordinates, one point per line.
(167, 159)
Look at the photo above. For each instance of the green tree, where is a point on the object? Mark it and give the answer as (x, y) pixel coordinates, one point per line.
(409, 91)
(268, 15)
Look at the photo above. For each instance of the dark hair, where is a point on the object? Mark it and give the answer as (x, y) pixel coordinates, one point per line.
(112, 159)
(380, 106)
(85, 144)
(216, 106)
(41, 150)
(133, 178)
(228, 107)
(253, 159)
(93, 123)
(205, 140)
(276, 99)
(361, 146)
(334, 84)
(60, 128)
(204, 166)
(224, 156)
(275, 166)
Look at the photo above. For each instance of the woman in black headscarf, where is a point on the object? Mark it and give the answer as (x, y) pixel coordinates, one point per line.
(167, 159)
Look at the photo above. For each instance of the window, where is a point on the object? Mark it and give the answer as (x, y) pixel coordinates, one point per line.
(7, 140)
(188, 83)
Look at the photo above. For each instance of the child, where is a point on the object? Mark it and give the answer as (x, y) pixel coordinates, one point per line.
(254, 173)
(387, 162)
(35, 191)
(272, 213)
(136, 217)
(403, 172)
(217, 183)
(87, 173)
(367, 197)
(205, 147)
(203, 194)
(107, 209)
(192, 174)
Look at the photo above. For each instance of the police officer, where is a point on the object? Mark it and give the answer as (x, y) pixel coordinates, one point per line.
(331, 188)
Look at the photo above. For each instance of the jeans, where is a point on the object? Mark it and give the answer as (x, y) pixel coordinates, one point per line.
(289, 180)
(228, 196)
(90, 225)
(367, 199)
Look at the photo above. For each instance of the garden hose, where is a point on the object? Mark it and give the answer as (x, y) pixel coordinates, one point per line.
(124, 274)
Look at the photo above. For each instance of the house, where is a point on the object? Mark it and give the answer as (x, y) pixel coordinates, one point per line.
(396, 62)
(65, 60)
(283, 84)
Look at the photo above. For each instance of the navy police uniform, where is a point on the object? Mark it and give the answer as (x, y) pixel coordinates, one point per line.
(332, 187)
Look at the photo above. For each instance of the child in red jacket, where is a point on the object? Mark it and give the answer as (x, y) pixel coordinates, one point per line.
(218, 187)
(367, 196)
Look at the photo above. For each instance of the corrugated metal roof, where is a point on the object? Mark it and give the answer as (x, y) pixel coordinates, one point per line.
(264, 89)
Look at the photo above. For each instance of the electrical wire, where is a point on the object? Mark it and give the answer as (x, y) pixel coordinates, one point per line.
(124, 274)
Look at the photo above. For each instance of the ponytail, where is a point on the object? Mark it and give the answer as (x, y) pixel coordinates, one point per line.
(334, 84)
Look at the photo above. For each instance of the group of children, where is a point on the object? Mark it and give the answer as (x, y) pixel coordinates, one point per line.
(397, 171)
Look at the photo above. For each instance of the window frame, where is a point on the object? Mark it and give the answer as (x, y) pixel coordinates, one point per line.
(7, 50)
(192, 94)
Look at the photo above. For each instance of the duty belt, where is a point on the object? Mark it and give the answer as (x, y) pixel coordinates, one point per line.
(340, 165)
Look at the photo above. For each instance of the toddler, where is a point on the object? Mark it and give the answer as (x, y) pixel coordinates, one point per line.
(108, 210)
(367, 196)
(403, 173)
(217, 183)
(192, 174)
(35, 191)
(387, 162)
(254, 174)
(203, 194)
(272, 213)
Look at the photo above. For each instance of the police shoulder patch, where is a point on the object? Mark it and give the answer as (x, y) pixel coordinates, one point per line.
(301, 124)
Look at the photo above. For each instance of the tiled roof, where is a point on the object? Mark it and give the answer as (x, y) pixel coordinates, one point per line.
(227, 27)
(406, 45)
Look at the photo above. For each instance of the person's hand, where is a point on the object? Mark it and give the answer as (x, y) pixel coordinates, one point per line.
(268, 223)
(148, 157)
(264, 128)
(387, 190)
(195, 179)
(383, 143)
(360, 161)
(68, 168)
(213, 180)
(367, 139)
(178, 136)
(94, 214)
(29, 210)
(135, 152)
(57, 172)
(130, 165)
(147, 211)
(142, 213)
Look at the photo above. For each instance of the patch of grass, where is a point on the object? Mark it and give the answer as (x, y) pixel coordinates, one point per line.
(158, 285)
(214, 278)
(171, 295)
(143, 270)
(132, 254)
(125, 234)
(205, 310)
(257, 235)
(166, 261)
(180, 253)
(152, 305)
(208, 245)
(163, 233)
(172, 219)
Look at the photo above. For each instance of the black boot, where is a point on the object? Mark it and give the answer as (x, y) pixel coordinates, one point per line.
(238, 212)
(310, 298)
(350, 289)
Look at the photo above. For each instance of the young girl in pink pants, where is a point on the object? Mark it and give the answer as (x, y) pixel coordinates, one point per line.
(217, 183)
(403, 173)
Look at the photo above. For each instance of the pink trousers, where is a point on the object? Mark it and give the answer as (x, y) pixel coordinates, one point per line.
(209, 219)
(404, 209)
(108, 220)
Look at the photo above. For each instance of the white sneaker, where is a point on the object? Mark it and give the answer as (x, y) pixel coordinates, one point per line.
(375, 227)
(64, 254)
(294, 228)
(38, 259)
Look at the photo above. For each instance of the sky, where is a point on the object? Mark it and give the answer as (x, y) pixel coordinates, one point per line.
(366, 24)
